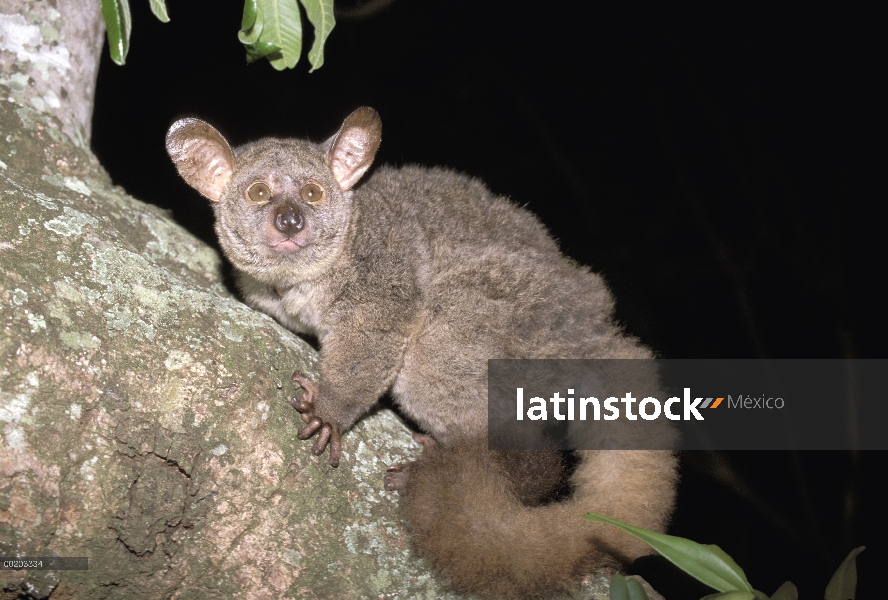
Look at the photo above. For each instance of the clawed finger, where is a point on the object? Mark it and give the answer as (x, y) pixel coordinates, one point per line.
(323, 438)
(309, 388)
(335, 448)
(426, 440)
(327, 434)
(395, 479)
(310, 429)
(301, 405)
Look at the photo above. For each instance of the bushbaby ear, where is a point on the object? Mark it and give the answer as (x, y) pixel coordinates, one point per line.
(350, 152)
(201, 155)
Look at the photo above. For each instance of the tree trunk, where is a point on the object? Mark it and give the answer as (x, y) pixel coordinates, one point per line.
(144, 414)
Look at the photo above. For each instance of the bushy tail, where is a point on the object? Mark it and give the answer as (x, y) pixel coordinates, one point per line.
(474, 514)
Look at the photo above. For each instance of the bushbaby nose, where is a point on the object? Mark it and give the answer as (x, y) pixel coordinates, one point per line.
(289, 220)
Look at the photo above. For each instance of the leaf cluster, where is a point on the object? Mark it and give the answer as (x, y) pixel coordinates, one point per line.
(270, 29)
(710, 564)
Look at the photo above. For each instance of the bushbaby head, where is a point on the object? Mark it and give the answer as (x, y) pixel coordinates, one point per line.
(282, 205)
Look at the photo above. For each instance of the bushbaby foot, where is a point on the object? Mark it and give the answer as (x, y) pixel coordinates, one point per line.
(396, 477)
(427, 441)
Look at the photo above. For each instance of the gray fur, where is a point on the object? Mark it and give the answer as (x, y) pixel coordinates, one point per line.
(411, 281)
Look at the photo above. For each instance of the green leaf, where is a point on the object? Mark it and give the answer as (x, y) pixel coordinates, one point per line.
(250, 33)
(787, 591)
(618, 588)
(320, 15)
(283, 28)
(272, 29)
(259, 50)
(708, 564)
(249, 17)
(843, 584)
(732, 595)
(158, 7)
(251, 27)
(636, 591)
(116, 14)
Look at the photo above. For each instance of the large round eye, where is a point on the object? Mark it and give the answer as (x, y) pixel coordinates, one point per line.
(259, 193)
(312, 193)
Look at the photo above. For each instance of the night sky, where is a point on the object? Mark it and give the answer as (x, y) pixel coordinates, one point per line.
(718, 167)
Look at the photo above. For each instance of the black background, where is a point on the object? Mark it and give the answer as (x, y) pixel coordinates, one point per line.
(721, 167)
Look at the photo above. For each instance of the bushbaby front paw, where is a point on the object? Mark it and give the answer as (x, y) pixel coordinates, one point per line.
(327, 432)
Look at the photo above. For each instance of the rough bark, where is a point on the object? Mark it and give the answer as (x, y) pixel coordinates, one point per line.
(143, 408)
(49, 58)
